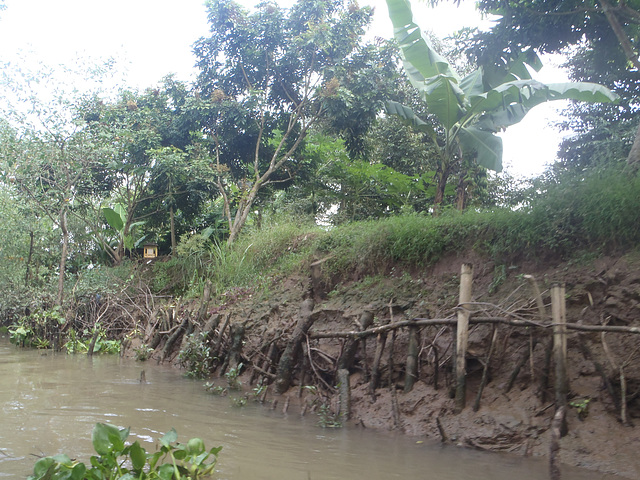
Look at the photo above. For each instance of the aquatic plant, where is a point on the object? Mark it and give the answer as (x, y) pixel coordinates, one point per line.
(118, 461)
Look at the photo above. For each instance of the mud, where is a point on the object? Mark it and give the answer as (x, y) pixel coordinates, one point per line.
(514, 420)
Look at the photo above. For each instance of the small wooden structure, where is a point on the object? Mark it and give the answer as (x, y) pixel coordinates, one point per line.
(150, 250)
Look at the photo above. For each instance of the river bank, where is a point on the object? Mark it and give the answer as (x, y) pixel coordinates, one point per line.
(253, 331)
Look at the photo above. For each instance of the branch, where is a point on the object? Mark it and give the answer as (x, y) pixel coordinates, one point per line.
(622, 37)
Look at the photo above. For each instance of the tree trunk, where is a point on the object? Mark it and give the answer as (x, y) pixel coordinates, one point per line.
(27, 275)
(633, 160)
(173, 230)
(441, 185)
(63, 254)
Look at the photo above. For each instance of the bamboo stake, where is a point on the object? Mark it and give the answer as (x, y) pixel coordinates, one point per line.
(558, 312)
(462, 334)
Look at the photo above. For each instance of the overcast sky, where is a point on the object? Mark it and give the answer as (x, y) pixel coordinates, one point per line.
(153, 38)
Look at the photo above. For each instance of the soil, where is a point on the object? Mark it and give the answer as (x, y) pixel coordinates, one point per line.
(512, 418)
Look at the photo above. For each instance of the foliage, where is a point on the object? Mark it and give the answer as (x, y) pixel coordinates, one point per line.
(232, 375)
(581, 406)
(195, 356)
(328, 419)
(142, 353)
(473, 109)
(37, 329)
(117, 460)
(601, 39)
(269, 76)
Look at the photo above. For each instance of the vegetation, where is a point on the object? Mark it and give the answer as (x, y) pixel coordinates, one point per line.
(279, 155)
(118, 461)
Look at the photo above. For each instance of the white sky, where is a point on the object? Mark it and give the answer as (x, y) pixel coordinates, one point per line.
(152, 38)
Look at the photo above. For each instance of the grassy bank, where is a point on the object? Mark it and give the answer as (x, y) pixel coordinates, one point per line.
(592, 215)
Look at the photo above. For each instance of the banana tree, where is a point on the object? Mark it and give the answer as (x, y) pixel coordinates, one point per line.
(472, 110)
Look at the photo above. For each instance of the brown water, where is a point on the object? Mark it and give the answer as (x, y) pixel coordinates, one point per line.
(50, 403)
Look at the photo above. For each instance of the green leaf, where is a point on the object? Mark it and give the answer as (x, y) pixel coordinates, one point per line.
(486, 145)
(166, 471)
(78, 472)
(43, 468)
(409, 118)
(113, 218)
(138, 456)
(107, 438)
(170, 437)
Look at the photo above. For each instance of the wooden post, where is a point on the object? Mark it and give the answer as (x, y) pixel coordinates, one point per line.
(411, 370)
(462, 334)
(344, 410)
(559, 315)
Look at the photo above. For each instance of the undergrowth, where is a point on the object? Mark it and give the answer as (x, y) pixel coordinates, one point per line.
(597, 213)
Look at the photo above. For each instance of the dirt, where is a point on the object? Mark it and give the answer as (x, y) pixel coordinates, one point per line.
(516, 419)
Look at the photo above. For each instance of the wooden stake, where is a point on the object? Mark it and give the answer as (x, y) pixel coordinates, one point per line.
(485, 372)
(411, 370)
(559, 315)
(344, 410)
(375, 369)
(554, 444)
(462, 334)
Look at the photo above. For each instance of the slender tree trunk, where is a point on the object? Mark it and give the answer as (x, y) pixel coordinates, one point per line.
(27, 276)
(461, 193)
(173, 230)
(633, 160)
(441, 185)
(63, 254)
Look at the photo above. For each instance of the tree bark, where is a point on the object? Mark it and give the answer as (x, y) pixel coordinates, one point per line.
(173, 231)
(27, 276)
(633, 160)
(294, 347)
(63, 254)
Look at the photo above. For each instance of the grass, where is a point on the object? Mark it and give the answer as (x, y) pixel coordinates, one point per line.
(590, 215)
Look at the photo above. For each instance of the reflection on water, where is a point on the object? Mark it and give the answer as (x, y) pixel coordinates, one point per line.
(50, 403)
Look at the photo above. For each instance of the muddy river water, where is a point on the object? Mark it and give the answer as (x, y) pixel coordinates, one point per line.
(50, 403)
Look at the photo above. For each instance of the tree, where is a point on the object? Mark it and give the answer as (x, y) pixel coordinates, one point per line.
(51, 160)
(471, 110)
(268, 77)
(143, 141)
(608, 28)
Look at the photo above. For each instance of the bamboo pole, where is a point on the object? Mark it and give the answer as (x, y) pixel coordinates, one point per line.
(462, 334)
(559, 315)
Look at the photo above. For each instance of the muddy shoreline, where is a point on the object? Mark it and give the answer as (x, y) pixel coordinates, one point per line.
(254, 330)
